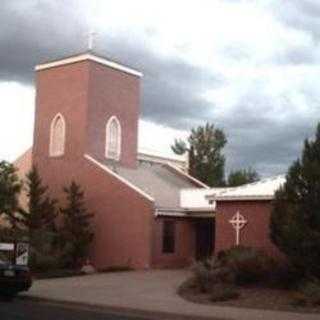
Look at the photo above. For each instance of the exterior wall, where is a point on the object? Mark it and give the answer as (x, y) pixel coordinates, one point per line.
(123, 217)
(184, 245)
(62, 90)
(113, 93)
(255, 233)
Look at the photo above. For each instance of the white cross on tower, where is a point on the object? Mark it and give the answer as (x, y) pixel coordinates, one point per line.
(91, 36)
(238, 222)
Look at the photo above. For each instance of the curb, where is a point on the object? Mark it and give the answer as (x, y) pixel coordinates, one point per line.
(117, 311)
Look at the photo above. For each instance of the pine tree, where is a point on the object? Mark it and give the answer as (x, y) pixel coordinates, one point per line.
(295, 219)
(37, 220)
(77, 233)
(206, 161)
(40, 212)
(10, 188)
(241, 177)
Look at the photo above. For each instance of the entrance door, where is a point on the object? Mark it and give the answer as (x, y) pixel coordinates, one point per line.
(204, 238)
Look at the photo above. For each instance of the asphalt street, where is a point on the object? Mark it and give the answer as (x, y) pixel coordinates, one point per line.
(20, 309)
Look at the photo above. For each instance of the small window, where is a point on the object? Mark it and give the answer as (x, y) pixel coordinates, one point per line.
(113, 139)
(168, 236)
(57, 136)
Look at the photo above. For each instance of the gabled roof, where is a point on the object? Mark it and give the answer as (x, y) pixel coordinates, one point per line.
(161, 181)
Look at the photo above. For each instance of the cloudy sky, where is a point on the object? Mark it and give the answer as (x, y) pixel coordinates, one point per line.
(250, 67)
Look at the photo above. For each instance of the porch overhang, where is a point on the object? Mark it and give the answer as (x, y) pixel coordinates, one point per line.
(185, 213)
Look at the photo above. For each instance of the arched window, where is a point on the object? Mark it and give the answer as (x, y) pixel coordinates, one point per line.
(57, 136)
(113, 139)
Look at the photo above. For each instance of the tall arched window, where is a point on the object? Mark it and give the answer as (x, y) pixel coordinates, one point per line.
(113, 139)
(57, 136)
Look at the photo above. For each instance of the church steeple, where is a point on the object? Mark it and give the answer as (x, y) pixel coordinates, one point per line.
(88, 90)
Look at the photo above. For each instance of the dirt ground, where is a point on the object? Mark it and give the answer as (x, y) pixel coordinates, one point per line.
(252, 297)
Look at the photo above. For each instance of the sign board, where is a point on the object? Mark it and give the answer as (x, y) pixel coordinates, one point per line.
(22, 253)
(6, 246)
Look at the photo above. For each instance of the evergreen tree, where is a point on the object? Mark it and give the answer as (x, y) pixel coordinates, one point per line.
(295, 219)
(77, 233)
(10, 188)
(37, 221)
(241, 177)
(40, 214)
(206, 161)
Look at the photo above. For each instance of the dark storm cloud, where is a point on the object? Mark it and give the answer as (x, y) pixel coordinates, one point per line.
(37, 31)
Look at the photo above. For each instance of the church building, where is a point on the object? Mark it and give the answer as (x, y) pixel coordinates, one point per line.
(149, 213)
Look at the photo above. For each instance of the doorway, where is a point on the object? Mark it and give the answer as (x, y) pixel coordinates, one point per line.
(205, 235)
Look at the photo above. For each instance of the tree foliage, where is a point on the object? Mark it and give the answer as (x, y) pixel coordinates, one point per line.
(41, 211)
(37, 220)
(76, 231)
(295, 219)
(10, 188)
(204, 147)
(241, 177)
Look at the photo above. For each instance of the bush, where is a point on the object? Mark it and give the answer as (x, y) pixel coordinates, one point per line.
(222, 292)
(248, 264)
(284, 276)
(311, 291)
(40, 262)
(299, 300)
(209, 273)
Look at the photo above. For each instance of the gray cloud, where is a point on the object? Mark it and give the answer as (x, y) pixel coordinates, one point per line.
(173, 90)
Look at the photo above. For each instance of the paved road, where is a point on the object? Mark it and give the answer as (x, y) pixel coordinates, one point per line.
(31, 310)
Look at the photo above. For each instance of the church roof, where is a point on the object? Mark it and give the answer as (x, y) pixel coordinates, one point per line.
(161, 181)
(91, 57)
(261, 190)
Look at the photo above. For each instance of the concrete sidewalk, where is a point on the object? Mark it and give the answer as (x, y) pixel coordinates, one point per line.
(152, 291)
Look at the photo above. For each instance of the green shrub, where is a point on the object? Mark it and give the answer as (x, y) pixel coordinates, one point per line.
(299, 300)
(249, 265)
(284, 276)
(43, 263)
(311, 290)
(201, 276)
(209, 273)
(222, 292)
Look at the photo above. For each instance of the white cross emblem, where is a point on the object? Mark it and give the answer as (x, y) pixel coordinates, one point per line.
(91, 37)
(238, 222)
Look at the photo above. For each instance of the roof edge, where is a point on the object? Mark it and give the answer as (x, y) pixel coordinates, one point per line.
(120, 178)
(186, 175)
(241, 198)
(91, 57)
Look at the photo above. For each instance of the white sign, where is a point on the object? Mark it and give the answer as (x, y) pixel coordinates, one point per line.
(6, 246)
(22, 254)
(238, 222)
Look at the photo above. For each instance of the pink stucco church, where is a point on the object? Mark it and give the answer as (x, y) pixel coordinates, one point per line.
(149, 212)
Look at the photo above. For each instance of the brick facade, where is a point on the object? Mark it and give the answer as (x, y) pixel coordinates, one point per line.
(184, 252)
(256, 231)
(87, 94)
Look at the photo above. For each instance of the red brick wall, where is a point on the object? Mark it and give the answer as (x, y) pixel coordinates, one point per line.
(256, 231)
(113, 93)
(123, 218)
(61, 89)
(184, 245)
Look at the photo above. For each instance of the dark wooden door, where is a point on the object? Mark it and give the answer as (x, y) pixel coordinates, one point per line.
(204, 238)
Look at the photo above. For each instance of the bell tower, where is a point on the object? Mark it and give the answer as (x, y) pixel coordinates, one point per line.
(86, 92)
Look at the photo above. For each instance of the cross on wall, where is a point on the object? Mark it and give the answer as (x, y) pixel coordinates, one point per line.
(238, 222)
